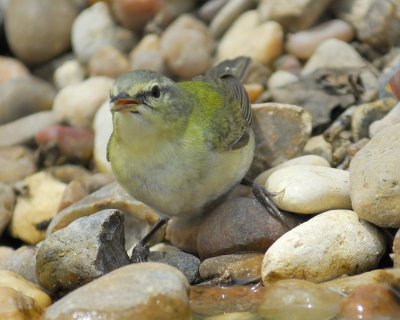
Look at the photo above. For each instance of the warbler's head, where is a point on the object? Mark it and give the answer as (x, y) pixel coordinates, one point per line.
(147, 98)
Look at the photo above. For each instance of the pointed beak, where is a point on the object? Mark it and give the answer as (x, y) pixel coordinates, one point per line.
(122, 102)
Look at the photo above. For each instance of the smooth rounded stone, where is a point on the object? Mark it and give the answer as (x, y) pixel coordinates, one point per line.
(147, 54)
(240, 268)
(318, 146)
(228, 14)
(365, 114)
(16, 163)
(239, 225)
(310, 189)
(235, 316)
(138, 217)
(330, 245)
(254, 91)
(375, 301)
(306, 160)
(248, 36)
(135, 14)
(74, 192)
(209, 9)
(86, 249)
(391, 118)
(38, 96)
(109, 62)
(70, 72)
(39, 30)
(24, 129)
(5, 253)
(95, 28)
(280, 78)
(297, 300)
(11, 68)
(334, 54)
(37, 205)
(375, 179)
(347, 285)
(177, 43)
(210, 300)
(149, 290)
(164, 247)
(289, 63)
(23, 262)
(103, 127)
(293, 15)
(396, 250)
(182, 232)
(184, 262)
(281, 131)
(376, 21)
(16, 306)
(12, 280)
(74, 143)
(77, 104)
(7, 202)
(302, 44)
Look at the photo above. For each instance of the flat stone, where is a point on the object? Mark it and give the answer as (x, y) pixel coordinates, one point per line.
(25, 129)
(12, 280)
(138, 217)
(37, 205)
(88, 248)
(240, 225)
(281, 132)
(120, 294)
(240, 268)
(310, 189)
(330, 245)
(184, 262)
(375, 179)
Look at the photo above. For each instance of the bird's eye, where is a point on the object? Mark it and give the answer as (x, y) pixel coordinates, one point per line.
(155, 91)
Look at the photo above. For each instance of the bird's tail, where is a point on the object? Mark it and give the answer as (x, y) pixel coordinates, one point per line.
(237, 67)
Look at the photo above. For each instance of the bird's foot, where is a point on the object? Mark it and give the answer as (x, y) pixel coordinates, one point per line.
(265, 198)
(141, 251)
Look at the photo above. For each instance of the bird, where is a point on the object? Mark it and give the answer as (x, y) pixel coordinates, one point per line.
(180, 146)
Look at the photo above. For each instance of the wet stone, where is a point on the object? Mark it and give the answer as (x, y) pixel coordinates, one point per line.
(184, 262)
(239, 268)
(120, 295)
(86, 249)
(239, 225)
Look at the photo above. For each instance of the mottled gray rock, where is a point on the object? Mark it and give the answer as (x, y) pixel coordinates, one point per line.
(281, 132)
(38, 96)
(151, 291)
(88, 248)
(375, 179)
(184, 262)
(38, 30)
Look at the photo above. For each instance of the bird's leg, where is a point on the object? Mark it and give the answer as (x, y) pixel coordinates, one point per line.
(264, 197)
(141, 250)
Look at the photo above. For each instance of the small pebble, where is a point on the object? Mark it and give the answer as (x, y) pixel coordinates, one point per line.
(177, 43)
(108, 62)
(139, 291)
(147, 54)
(16, 163)
(11, 68)
(310, 189)
(318, 146)
(330, 245)
(182, 232)
(303, 43)
(77, 104)
(70, 72)
(38, 205)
